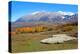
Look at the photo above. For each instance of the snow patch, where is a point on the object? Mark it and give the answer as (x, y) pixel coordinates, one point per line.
(66, 13)
(35, 12)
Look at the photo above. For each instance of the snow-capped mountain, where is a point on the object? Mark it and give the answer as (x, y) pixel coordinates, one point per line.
(39, 16)
(50, 17)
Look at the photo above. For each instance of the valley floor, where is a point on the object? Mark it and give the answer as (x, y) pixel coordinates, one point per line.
(31, 42)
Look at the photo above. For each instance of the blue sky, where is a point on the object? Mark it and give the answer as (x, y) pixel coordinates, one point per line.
(19, 9)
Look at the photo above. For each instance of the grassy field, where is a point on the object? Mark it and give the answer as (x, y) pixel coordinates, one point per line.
(29, 42)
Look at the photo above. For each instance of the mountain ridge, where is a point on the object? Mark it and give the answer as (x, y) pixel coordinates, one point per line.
(50, 17)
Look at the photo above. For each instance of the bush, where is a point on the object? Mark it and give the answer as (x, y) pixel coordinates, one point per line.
(50, 29)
